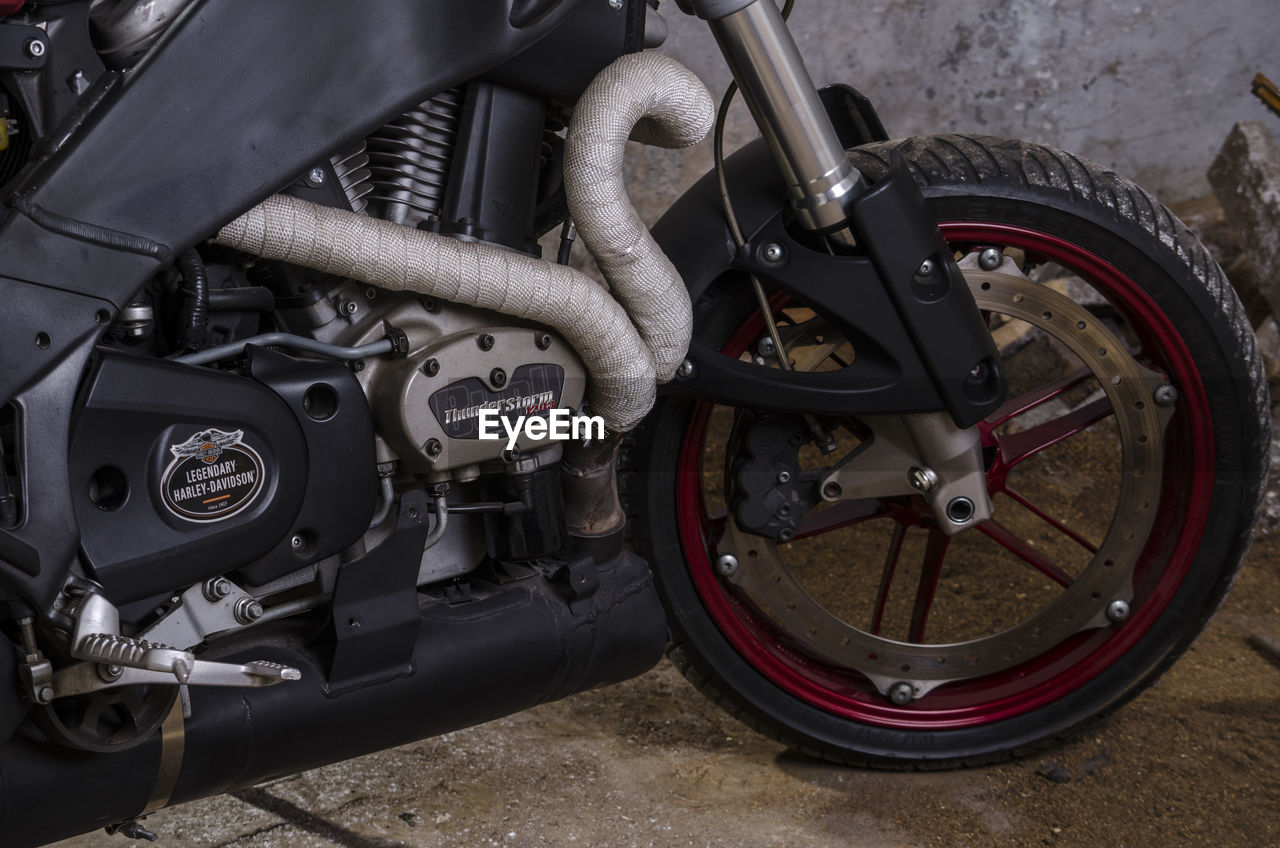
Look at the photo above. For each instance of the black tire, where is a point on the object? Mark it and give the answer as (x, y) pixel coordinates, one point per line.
(998, 181)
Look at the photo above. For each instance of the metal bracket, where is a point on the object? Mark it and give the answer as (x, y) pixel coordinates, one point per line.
(22, 47)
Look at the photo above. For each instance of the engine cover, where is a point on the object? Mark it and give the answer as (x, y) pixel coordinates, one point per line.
(184, 473)
(460, 361)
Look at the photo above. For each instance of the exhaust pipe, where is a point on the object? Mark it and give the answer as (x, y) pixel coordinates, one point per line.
(507, 649)
(666, 104)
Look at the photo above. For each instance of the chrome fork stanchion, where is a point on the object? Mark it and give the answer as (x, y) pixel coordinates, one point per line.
(783, 100)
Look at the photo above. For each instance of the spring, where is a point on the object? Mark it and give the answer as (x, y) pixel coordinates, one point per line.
(408, 161)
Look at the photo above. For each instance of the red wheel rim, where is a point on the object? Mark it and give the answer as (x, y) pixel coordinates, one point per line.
(1159, 571)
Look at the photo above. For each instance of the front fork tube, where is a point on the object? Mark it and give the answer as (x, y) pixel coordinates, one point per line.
(783, 100)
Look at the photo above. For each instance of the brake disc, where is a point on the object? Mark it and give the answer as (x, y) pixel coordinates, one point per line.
(1099, 597)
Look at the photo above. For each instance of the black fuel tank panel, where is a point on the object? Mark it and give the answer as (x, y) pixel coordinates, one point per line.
(180, 473)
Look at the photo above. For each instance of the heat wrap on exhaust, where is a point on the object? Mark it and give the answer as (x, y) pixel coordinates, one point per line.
(652, 99)
(666, 104)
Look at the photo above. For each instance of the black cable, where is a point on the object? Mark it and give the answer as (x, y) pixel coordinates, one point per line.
(92, 233)
(195, 302)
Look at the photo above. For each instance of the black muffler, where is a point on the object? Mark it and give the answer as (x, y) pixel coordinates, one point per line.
(524, 636)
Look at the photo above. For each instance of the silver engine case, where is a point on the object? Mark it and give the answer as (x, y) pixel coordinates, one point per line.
(460, 359)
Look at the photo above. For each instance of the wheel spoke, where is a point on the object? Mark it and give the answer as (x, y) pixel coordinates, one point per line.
(1058, 525)
(1018, 446)
(886, 576)
(935, 551)
(1011, 543)
(1026, 402)
(839, 515)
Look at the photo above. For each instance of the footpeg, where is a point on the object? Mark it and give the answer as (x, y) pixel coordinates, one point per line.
(114, 660)
(129, 654)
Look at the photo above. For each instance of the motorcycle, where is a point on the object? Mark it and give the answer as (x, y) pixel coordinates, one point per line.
(919, 452)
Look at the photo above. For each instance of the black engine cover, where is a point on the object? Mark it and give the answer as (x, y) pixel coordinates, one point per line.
(183, 473)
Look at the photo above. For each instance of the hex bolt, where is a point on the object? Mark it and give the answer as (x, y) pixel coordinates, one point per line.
(773, 253)
(784, 476)
(685, 371)
(316, 176)
(832, 490)
(543, 341)
(44, 694)
(990, 259)
(248, 610)
(110, 672)
(1165, 395)
(922, 479)
(34, 48)
(485, 341)
(926, 268)
(902, 693)
(960, 510)
(434, 448)
(216, 589)
(498, 378)
(727, 564)
(431, 367)
(1118, 611)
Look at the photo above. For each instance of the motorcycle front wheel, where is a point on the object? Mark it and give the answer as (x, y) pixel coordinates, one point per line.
(1125, 471)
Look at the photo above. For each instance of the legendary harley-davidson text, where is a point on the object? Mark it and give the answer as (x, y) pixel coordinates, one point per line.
(213, 479)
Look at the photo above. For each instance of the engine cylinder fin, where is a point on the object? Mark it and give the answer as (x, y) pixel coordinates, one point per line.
(352, 169)
(409, 160)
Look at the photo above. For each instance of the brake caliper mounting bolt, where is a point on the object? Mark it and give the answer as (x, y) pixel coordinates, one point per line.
(773, 253)
(1118, 611)
(727, 564)
(1165, 395)
(990, 259)
(316, 176)
(685, 371)
(248, 610)
(926, 268)
(922, 479)
(902, 693)
(216, 589)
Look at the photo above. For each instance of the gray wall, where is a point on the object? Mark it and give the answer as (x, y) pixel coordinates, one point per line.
(1148, 88)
